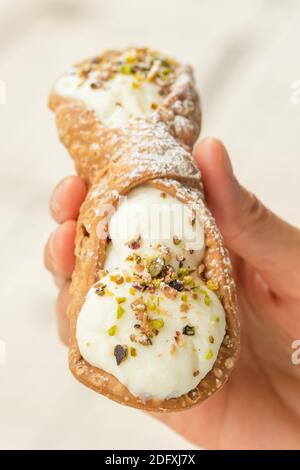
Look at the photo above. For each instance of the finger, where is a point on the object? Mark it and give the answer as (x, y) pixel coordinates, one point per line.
(48, 255)
(49, 264)
(251, 230)
(59, 251)
(67, 198)
(60, 281)
(63, 324)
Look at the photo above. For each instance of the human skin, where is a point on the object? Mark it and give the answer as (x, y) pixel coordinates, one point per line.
(259, 407)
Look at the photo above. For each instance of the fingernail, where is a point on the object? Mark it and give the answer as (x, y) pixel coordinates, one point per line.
(58, 196)
(208, 138)
(51, 246)
(55, 200)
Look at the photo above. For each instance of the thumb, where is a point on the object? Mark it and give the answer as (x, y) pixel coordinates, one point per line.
(249, 229)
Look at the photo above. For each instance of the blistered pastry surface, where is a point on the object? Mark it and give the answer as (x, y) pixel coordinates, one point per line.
(157, 151)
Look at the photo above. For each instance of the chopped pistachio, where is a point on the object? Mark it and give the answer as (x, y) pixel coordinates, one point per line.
(184, 297)
(207, 300)
(112, 330)
(109, 293)
(142, 339)
(136, 84)
(139, 285)
(120, 312)
(153, 72)
(132, 290)
(125, 69)
(120, 300)
(188, 281)
(176, 285)
(166, 71)
(164, 250)
(139, 267)
(156, 266)
(211, 339)
(117, 278)
(184, 307)
(172, 62)
(209, 355)
(151, 305)
(176, 240)
(120, 353)
(156, 283)
(157, 323)
(179, 340)
(163, 195)
(200, 269)
(138, 306)
(188, 330)
(130, 58)
(135, 243)
(100, 289)
(128, 279)
(139, 76)
(133, 352)
(182, 272)
(146, 278)
(212, 285)
(169, 292)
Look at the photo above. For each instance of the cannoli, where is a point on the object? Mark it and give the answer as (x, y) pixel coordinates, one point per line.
(153, 312)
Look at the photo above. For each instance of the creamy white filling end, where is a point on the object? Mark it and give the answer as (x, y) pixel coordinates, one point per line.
(188, 317)
(116, 101)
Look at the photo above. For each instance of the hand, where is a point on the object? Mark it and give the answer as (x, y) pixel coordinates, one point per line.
(59, 256)
(259, 407)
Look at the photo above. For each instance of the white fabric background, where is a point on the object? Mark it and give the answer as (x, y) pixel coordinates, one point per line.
(246, 57)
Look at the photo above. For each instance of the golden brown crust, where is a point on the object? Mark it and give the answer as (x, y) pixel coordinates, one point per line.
(155, 151)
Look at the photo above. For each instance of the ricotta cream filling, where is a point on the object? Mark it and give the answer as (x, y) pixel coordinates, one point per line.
(116, 101)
